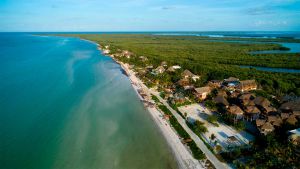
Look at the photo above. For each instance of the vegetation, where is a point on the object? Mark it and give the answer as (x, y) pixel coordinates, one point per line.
(156, 100)
(213, 119)
(208, 58)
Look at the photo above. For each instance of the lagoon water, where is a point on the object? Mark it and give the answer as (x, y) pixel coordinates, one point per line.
(64, 105)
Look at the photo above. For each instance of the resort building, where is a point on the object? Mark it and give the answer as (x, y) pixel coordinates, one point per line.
(159, 70)
(236, 111)
(252, 113)
(163, 63)
(215, 83)
(266, 128)
(247, 85)
(202, 92)
(221, 100)
(188, 74)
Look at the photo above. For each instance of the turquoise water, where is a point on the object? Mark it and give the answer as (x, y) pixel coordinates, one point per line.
(64, 105)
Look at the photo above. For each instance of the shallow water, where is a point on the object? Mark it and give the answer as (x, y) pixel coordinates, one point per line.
(64, 105)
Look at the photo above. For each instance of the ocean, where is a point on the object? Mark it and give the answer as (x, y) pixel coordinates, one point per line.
(65, 105)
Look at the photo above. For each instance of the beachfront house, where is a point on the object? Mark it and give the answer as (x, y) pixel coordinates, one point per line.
(186, 74)
(126, 54)
(173, 68)
(220, 99)
(246, 85)
(163, 63)
(252, 113)
(231, 83)
(202, 92)
(236, 111)
(143, 58)
(215, 83)
(266, 128)
(159, 70)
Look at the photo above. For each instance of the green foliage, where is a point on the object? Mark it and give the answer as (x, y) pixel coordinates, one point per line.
(210, 104)
(213, 119)
(155, 98)
(199, 127)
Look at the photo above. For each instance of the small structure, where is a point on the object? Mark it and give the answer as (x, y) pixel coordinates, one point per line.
(185, 83)
(159, 70)
(284, 115)
(186, 74)
(202, 92)
(143, 58)
(292, 120)
(247, 99)
(171, 69)
(106, 51)
(267, 128)
(291, 107)
(177, 98)
(252, 113)
(126, 54)
(247, 85)
(236, 111)
(176, 67)
(215, 83)
(163, 63)
(259, 122)
(294, 136)
(221, 100)
(231, 82)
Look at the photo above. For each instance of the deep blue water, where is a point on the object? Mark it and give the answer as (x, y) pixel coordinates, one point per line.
(64, 105)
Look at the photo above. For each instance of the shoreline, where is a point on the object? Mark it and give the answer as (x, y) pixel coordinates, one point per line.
(180, 152)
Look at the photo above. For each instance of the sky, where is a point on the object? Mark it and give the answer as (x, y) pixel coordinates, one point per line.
(149, 15)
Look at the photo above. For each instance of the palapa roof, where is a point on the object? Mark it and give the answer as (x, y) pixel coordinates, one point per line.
(284, 115)
(247, 83)
(270, 109)
(292, 120)
(219, 99)
(277, 122)
(222, 93)
(292, 105)
(252, 110)
(171, 69)
(160, 68)
(187, 73)
(260, 122)
(272, 118)
(261, 101)
(231, 79)
(183, 82)
(296, 113)
(235, 110)
(247, 99)
(247, 96)
(267, 126)
(203, 89)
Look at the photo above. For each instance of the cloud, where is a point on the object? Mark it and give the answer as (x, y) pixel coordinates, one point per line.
(262, 23)
(260, 11)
